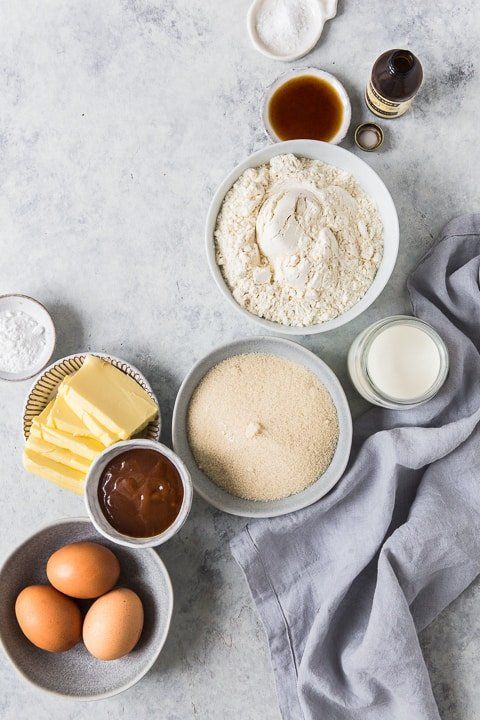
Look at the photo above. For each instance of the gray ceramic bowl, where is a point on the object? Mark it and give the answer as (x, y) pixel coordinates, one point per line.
(220, 498)
(76, 674)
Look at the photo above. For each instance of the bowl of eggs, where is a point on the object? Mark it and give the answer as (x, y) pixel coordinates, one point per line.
(81, 617)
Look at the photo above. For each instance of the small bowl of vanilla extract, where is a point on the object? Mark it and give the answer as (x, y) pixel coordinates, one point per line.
(307, 104)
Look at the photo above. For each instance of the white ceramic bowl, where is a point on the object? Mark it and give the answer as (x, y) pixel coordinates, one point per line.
(367, 179)
(30, 306)
(93, 506)
(217, 496)
(328, 77)
(323, 9)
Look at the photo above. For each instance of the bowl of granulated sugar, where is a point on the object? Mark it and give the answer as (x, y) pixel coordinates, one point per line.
(263, 426)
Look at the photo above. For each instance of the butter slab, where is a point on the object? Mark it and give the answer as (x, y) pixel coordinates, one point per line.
(96, 429)
(61, 417)
(60, 475)
(86, 447)
(46, 449)
(101, 394)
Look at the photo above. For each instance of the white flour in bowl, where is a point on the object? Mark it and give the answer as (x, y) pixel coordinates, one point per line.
(298, 242)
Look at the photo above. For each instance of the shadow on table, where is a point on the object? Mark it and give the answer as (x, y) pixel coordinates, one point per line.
(193, 559)
(70, 336)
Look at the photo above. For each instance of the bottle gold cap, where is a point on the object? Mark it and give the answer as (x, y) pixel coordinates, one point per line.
(369, 136)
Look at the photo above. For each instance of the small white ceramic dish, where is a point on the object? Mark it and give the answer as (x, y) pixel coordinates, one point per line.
(76, 674)
(93, 506)
(45, 388)
(30, 306)
(323, 9)
(323, 75)
(367, 179)
(217, 496)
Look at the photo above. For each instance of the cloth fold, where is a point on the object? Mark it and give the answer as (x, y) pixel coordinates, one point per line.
(344, 586)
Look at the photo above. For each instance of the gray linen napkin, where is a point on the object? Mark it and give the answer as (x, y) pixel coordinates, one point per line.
(344, 586)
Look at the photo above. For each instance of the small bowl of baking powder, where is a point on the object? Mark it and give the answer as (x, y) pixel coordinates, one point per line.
(27, 337)
(288, 29)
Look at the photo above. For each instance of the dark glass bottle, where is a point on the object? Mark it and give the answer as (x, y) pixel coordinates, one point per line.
(395, 80)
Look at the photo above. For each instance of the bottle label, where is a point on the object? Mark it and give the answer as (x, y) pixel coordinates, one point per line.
(382, 107)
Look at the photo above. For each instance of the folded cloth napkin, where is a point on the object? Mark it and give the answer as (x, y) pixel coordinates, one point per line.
(344, 586)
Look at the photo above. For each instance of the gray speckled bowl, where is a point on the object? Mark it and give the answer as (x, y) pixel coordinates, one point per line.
(75, 673)
(220, 498)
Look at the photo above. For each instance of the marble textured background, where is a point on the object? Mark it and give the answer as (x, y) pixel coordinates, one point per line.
(117, 120)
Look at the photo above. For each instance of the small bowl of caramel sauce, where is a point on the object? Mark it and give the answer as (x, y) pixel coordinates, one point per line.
(308, 104)
(138, 493)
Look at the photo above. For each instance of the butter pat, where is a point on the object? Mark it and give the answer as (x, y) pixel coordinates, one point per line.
(86, 447)
(61, 417)
(107, 400)
(94, 408)
(97, 430)
(63, 476)
(42, 447)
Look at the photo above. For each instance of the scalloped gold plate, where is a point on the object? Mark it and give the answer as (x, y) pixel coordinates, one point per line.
(45, 388)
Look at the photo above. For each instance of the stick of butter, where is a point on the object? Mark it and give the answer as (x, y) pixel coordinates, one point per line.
(42, 447)
(67, 478)
(86, 447)
(62, 417)
(105, 397)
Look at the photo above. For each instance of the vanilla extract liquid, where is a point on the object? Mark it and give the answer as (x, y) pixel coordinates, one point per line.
(306, 107)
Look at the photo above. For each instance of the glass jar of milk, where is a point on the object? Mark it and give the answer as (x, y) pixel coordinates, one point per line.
(398, 362)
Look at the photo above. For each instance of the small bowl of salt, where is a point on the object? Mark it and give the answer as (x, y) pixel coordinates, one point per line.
(288, 29)
(27, 337)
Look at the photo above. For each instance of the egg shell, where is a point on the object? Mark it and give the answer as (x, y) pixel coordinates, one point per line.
(83, 570)
(113, 624)
(50, 620)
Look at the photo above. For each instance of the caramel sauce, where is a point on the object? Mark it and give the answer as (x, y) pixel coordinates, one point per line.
(140, 492)
(305, 108)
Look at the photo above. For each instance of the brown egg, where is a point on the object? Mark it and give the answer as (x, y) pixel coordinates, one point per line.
(48, 619)
(83, 570)
(113, 625)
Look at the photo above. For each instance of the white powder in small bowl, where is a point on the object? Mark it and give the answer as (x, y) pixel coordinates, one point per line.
(22, 340)
(286, 26)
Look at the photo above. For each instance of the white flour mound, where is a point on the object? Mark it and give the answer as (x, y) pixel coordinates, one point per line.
(298, 241)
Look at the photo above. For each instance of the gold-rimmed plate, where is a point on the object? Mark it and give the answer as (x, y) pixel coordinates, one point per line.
(45, 388)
